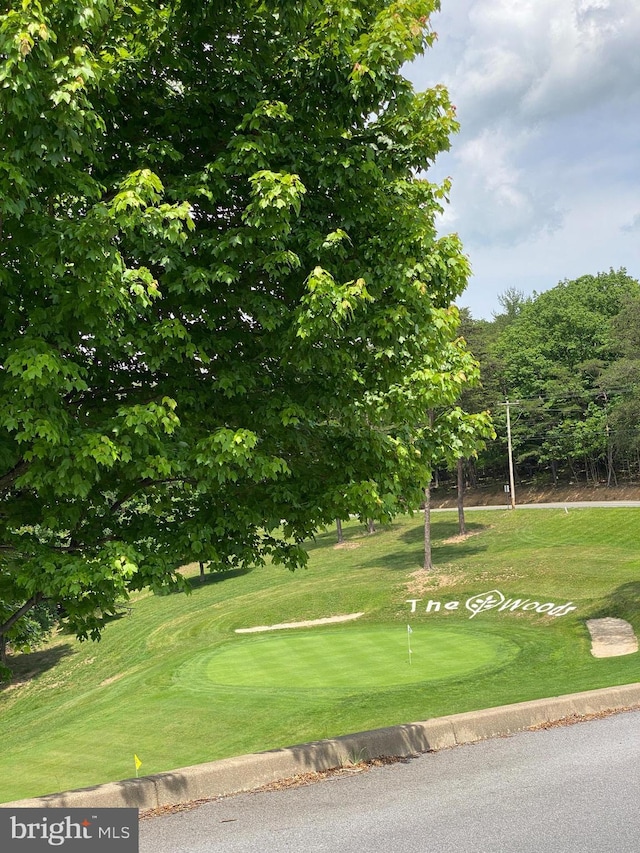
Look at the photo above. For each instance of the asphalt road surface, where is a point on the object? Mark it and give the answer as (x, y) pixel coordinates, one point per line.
(572, 789)
(566, 505)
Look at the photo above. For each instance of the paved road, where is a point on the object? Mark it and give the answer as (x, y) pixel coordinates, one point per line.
(553, 505)
(566, 790)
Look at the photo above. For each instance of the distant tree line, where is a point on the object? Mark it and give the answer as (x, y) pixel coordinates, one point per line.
(568, 363)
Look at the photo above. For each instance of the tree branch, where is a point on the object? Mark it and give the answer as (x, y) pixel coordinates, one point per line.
(145, 484)
(26, 607)
(8, 479)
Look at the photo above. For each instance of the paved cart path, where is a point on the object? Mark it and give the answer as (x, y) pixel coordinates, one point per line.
(553, 505)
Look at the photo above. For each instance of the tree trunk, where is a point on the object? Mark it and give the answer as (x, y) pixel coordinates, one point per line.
(574, 474)
(428, 564)
(339, 530)
(371, 526)
(3, 649)
(201, 571)
(611, 472)
(462, 529)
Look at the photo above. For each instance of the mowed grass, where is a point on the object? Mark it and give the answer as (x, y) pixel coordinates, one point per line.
(174, 683)
(348, 661)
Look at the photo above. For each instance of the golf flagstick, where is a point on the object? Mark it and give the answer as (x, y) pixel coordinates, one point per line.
(409, 633)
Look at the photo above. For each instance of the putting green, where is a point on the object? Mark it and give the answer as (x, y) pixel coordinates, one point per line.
(348, 660)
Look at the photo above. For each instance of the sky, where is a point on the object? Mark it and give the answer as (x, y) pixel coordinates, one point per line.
(546, 167)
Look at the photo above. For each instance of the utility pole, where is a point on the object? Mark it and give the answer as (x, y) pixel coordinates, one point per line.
(512, 486)
(428, 561)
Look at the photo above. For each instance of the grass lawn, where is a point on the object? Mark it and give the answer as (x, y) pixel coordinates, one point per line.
(175, 684)
(346, 661)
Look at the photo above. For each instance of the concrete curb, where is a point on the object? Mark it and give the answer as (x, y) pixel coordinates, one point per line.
(247, 772)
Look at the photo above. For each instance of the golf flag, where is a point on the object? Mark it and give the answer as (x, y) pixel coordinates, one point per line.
(409, 631)
(137, 762)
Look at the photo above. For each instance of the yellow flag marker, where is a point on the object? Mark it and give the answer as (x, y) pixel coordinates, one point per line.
(137, 762)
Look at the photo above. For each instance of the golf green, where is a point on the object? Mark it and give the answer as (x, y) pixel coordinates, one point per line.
(348, 660)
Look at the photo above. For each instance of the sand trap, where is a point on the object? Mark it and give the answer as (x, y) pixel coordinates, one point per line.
(611, 637)
(309, 623)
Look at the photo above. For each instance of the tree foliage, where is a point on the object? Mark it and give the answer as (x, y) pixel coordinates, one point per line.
(567, 359)
(225, 307)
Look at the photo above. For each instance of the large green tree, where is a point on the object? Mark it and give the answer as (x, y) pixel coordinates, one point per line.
(225, 310)
(619, 387)
(558, 357)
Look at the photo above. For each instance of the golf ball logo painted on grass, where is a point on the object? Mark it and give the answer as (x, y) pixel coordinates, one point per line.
(492, 600)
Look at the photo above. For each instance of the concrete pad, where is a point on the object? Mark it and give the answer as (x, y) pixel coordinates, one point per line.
(611, 637)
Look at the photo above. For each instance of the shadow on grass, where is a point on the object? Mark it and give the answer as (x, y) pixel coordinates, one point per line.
(401, 561)
(623, 603)
(351, 534)
(458, 551)
(442, 550)
(209, 578)
(25, 667)
(440, 532)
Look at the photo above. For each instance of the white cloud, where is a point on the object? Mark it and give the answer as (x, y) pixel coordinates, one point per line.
(591, 240)
(494, 201)
(535, 59)
(592, 58)
(633, 224)
(545, 168)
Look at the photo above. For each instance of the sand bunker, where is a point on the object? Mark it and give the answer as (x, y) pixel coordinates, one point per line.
(611, 637)
(309, 623)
